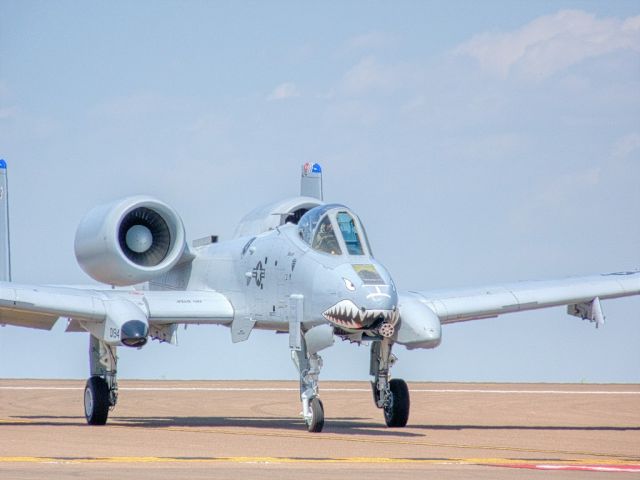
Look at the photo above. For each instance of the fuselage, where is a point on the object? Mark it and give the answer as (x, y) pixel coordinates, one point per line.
(260, 273)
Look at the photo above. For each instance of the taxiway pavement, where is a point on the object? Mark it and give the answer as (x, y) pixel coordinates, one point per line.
(216, 429)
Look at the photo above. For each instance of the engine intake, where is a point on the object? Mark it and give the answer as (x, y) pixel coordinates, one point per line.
(130, 241)
(144, 237)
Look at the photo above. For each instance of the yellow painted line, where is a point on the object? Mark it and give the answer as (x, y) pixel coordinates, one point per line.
(369, 440)
(344, 438)
(279, 460)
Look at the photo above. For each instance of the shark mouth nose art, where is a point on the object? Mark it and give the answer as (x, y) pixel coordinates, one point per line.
(346, 314)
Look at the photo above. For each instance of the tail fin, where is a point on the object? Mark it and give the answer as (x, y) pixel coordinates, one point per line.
(5, 246)
(311, 181)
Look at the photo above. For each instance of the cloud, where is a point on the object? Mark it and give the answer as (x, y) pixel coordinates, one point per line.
(366, 75)
(7, 112)
(567, 185)
(4, 91)
(488, 147)
(551, 43)
(284, 91)
(370, 40)
(354, 113)
(626, 145)
(140, 104)
(369, 75)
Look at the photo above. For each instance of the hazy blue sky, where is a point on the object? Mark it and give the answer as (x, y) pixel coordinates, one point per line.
(479, 142)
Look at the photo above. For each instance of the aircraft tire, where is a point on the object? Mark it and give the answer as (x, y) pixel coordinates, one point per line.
(396, 412)
(96, 401)
(316, 422)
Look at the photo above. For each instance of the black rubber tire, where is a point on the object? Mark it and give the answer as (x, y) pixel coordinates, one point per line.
(96, 401)
(396, 412)
(317, 415)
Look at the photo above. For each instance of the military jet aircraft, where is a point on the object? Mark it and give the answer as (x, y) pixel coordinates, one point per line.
(299, 265)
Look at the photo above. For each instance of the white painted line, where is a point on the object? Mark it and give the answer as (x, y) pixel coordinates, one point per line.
(287, 389)
(589, 468)
(39, 388)
(560, 392)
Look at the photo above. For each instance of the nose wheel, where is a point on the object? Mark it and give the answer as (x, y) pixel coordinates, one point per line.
(396, 408)
(315, 421)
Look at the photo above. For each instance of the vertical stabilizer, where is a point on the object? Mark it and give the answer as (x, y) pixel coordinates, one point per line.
(311, 181)
(5, 255)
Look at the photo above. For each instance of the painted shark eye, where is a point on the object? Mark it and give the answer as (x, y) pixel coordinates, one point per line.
(349, 284)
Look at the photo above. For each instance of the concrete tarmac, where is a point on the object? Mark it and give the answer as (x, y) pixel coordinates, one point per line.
(216, 429)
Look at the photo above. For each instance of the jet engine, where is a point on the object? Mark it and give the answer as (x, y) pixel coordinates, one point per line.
(129, 241)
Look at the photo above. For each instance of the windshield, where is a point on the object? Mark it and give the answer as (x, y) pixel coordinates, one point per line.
(325, 238)
(309, 221)
(349, 233)
(333, 229)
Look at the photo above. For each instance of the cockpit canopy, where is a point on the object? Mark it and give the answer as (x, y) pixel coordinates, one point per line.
(335, 230)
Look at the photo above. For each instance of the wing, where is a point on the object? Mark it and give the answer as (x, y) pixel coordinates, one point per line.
(582, 295)
(40, 306)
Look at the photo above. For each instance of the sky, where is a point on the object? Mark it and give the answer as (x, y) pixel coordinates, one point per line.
(479, 142)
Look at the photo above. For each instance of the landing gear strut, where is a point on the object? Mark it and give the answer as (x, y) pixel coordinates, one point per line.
(309, 366)
(101, 390)
(390, 395)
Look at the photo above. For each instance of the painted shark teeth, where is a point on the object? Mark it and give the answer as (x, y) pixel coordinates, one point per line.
(346, 314)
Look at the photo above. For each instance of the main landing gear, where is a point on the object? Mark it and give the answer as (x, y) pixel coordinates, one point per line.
(390, 395)
(101, 390)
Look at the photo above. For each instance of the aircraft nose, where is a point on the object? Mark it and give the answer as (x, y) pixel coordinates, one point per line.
(367, 299)
(383, 297)
(368, 285)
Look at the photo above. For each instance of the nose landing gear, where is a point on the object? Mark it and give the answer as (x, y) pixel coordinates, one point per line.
(390, 395)
(309, 365)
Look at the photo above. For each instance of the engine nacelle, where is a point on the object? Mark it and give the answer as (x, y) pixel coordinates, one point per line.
(129, 241)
